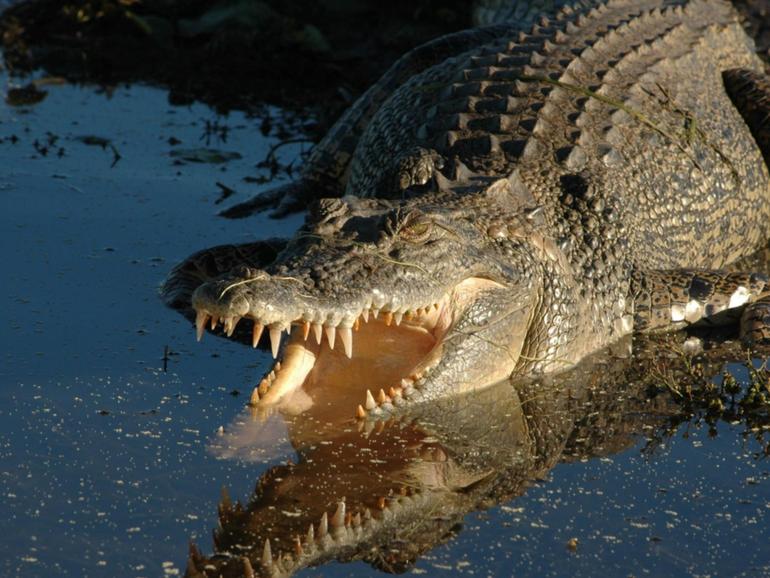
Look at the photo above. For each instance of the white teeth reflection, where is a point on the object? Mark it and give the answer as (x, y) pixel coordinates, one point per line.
(370, 403)
(342, 526)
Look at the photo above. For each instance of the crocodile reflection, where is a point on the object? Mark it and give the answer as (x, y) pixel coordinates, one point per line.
(388, 491)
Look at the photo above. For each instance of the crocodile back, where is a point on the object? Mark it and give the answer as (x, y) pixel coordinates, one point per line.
(616, 120)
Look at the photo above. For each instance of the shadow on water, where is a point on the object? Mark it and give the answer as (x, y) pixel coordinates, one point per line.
(117, 431)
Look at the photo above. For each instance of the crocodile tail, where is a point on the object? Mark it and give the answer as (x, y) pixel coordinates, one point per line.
(523, 12)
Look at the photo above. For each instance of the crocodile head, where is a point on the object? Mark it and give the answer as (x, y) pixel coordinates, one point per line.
(405, 300)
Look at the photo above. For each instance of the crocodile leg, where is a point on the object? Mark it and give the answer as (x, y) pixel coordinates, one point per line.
(750, 92)
(326, 171)
(673, 299)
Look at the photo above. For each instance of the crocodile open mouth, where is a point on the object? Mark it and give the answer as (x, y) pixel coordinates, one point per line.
(381, 355)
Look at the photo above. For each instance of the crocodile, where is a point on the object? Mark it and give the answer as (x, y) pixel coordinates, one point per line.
(389, 491)
(507, 200)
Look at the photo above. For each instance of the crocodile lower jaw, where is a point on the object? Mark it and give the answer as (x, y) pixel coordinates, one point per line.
(376, 363)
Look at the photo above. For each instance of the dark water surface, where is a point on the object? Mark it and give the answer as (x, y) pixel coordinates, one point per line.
(106, 459)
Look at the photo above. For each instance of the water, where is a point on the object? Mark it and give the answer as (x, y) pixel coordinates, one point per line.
(109, 410)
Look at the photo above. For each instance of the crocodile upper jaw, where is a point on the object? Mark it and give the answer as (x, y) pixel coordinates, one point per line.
(377, 361)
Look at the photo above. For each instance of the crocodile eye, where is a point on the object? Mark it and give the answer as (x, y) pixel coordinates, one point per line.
(417, 231)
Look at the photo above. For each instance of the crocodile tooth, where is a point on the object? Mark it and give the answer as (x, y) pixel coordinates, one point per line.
(357, 324)
(318, 332)
(323, 526)
(305, 330)
(381, 503)
(330, 333)
(357, 519)
(275, 339)
(214, 321)
(347, 340)
(370, 403)
(360, 412)
(397, 317)
(256, 333)
(298, 546)
(200, 324)
(338, 519)
(230, 324)
(383, 398)
(365, 315)
(375, 312)
(310, 537)
(254, 397)
(393, 392)
(288, 561)
(388, 317)
(267, 555)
